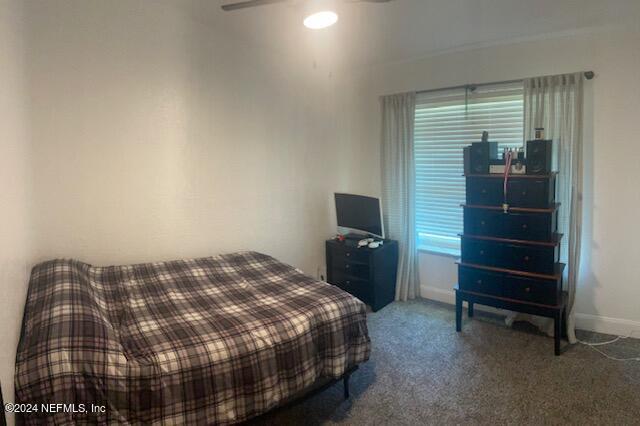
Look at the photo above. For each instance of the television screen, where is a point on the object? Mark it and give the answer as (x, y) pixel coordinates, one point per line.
(360, 213)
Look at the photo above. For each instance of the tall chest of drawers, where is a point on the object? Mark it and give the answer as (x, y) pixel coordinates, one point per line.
(510, 259)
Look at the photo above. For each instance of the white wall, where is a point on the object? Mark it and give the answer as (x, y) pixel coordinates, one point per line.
(15, 246)
(608, 290)
(154, 134)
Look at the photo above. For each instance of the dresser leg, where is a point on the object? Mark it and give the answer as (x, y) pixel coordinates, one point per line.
(557, 334)
(470, 311)
(458, 312)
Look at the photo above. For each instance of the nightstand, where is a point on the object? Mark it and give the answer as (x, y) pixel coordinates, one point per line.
(368, 274)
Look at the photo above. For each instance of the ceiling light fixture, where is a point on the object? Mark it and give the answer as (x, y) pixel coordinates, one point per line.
(320, 20)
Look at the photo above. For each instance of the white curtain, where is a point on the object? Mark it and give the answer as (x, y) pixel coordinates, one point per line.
(398, 185)
(556, 103)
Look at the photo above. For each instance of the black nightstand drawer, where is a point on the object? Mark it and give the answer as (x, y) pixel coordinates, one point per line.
(521, 192)
(524, 257)
(510, 286)
(358, 287)
(350, 253)
(352, 267)
(512, 225)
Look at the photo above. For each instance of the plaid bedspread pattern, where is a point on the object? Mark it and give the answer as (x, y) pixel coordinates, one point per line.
(214, 340)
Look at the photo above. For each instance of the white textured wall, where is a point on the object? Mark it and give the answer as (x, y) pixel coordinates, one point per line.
(156, 136)
(15, 221)
(135, 131)
(608, 291)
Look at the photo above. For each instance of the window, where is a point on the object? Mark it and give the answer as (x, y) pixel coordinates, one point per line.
(445, 122)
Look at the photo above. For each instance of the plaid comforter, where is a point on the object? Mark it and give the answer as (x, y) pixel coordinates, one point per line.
(200, 341)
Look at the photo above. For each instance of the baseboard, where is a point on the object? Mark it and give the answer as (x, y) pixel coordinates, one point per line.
(608, 325)
(438, 294)
(449, 297)
(597, 323)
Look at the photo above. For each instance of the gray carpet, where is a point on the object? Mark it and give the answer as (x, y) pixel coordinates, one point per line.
(422, 372)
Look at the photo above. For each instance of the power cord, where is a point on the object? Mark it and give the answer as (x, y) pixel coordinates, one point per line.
(594, 346)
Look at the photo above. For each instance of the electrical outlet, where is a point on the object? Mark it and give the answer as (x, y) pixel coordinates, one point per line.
(321, 273)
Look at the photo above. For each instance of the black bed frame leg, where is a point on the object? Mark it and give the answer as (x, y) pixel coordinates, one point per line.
(345, 381)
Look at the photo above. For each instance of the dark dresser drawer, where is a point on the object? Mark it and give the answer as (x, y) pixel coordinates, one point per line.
(521, 192)
(533, 226)
(349, 253)
(502, 284)
(484, 191)
(531, 290)
(524, 257)
(529, 258)
(530, 226)
(531, 192)
(351, 267)
(356, 286)
(481, 252)
(480, 281)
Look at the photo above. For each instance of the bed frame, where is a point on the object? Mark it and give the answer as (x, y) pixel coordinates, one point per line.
(320, 386)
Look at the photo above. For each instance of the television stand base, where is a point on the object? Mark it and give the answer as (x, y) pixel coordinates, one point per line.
(356, 237)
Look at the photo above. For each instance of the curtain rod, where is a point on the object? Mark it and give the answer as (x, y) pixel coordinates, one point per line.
(587, 74)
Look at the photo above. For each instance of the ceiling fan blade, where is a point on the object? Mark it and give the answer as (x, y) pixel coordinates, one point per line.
(248, 3)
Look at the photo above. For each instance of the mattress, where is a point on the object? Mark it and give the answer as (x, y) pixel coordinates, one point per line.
(213, 340)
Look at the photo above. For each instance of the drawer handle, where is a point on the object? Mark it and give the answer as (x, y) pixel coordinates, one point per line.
(524, 192)
(348, 254)
(526, 258)
(481, 251)
(527, 289)
(524, 226)
(484, 191)
(348, 266)
(479, 282)
(482, 222)
(348, 282)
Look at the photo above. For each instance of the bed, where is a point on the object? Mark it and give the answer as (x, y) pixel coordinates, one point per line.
(215, 340)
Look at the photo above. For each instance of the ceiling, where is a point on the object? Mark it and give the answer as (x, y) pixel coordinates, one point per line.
(370, 33)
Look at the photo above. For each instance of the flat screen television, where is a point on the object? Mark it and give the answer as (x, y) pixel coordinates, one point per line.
(360, 213)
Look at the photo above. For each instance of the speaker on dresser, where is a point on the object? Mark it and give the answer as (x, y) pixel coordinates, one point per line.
(539, 157)
(480, 154)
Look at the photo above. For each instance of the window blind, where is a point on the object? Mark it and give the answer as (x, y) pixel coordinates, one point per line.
(445, 122)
